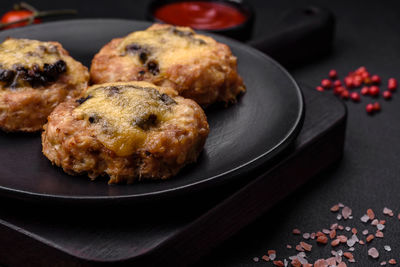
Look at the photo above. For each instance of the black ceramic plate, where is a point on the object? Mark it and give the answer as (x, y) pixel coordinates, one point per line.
(242, 137)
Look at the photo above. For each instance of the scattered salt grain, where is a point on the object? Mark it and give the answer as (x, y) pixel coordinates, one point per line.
(296, 231)
(326, 231)
(365, 232)
(312, 236)
(370, 214)
(370, 237)
(256, 259)
(265, 258)
(335, 208)
(346, 212)
(388, 248)
(375, 222)
(299, 248)
(347, 228)
(306, 235)
(306, 246)
(379, 234)
(373, 253)
(380, 227)
(387, 211)
(365, 218)
(339, 217)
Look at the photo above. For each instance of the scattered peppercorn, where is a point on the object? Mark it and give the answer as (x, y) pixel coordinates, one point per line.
(355, 97)
(338, 90)
(375, 79)
(333, 74)
(326, 83)
(392, 84)
(374, 90)
(345, 94)
(387, 95)
(337, 83)
(369, 108)
(365, 90)
(377, 106)
(359, 78)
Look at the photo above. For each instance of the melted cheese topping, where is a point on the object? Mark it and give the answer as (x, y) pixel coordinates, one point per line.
(168, 46)
(122, 114)
(27, 53)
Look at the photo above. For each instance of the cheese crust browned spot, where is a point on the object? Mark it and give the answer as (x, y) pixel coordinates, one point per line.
(195, 65)
(129, 131)
(34, 78)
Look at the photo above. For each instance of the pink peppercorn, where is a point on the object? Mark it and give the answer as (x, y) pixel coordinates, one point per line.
(338, 90)
(377, 106)
(375, 79)
(337, 83)
(364, 75)
(333, 74)
(365, 90)
(369, 108)
(387, 95)
(392, 84)
(357, 80)
(374, 90)
(361, 70)
(326, 83)
(345, 94)
(355, 97)
(348, 81)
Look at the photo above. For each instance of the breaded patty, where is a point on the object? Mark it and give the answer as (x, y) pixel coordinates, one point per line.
(195, 65)
(130, 131)
(34, 78)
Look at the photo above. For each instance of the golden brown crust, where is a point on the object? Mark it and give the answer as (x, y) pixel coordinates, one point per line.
(206, 77)
(72, 143)
(26, 108)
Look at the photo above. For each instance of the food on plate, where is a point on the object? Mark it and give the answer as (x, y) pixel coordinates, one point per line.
(127, 130)
(196, 66)
(35, 77)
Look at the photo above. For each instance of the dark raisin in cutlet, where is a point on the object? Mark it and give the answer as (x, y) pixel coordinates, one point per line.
(167, 99)
(146, 121)
(83, 99)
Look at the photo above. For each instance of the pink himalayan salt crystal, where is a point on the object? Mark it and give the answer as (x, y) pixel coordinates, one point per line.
(365, 218)
(331, 261)
(346, 212)
(379, 234)
(373, 252)
(387, 211)
(375, 222)
(320, 263)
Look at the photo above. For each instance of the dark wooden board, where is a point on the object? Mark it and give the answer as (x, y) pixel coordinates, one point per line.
(170, 233)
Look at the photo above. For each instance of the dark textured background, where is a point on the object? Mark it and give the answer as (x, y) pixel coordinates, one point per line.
(368, 34)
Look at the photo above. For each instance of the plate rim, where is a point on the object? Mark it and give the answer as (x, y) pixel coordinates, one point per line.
(194, 186)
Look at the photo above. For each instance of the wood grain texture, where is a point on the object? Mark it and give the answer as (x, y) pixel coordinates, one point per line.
(172, 232)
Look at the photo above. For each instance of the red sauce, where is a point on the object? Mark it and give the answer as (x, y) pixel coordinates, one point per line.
(200, 15)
